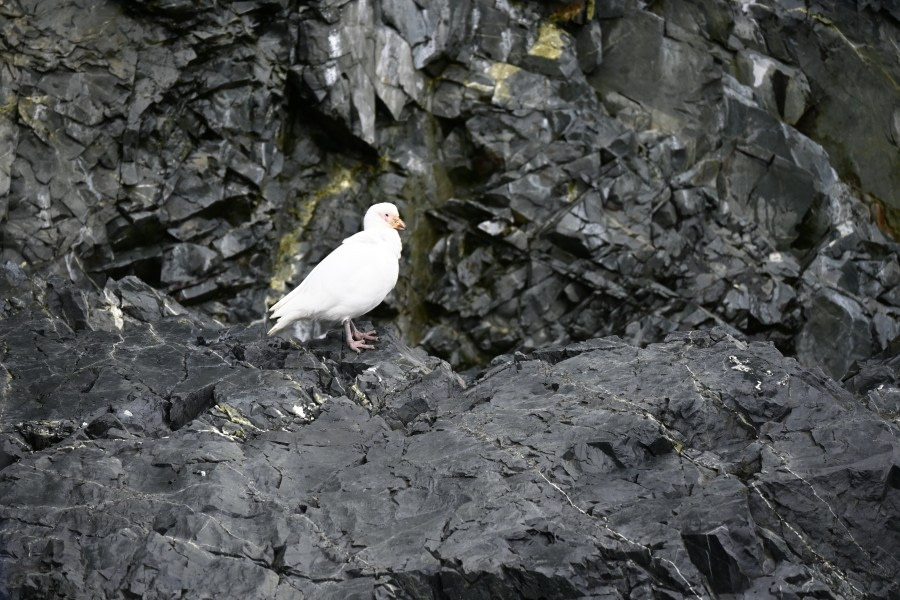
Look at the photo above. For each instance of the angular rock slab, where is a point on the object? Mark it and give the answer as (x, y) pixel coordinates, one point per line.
(699, 467)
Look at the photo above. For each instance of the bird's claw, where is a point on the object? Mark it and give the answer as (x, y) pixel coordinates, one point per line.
(359, 345)
(369, 336)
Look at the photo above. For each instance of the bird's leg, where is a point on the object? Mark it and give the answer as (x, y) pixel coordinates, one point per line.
(354, 344)
(369, 336)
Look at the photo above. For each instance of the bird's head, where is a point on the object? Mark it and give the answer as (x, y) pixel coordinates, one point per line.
(383, 214)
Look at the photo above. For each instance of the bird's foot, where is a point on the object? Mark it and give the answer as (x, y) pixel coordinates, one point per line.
(357, 339)
(369, 336)
(357, 335)
(359, 345)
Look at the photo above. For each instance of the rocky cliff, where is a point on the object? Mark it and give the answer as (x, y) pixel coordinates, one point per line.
(166, 456)
(708, 187)
(569, 170)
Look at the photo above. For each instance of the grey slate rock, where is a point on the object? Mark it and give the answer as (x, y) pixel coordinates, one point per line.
(568, 171)
(172, 456)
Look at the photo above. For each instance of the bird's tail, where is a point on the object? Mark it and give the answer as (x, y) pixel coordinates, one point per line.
(281, 324)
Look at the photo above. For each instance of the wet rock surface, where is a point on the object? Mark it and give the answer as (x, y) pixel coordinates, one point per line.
(165, 455)
(567, 170)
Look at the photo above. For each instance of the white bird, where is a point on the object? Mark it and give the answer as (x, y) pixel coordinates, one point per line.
(350, 281)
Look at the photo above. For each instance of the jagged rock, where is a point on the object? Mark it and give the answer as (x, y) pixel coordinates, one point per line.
(570, 170)
(701, 181)
(170, 457)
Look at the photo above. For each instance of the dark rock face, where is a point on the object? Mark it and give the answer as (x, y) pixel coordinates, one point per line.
(164, 455)
(685, 194)
(612, 171)
(567, 170)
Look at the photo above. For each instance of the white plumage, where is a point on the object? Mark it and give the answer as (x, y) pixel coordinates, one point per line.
(350, 281)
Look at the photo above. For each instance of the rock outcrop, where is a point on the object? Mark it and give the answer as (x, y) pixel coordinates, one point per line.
(150, 453)
(674, 224)
(568, 170)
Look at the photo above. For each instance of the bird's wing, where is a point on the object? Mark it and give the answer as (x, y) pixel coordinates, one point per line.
(354, 278)
(323, 283)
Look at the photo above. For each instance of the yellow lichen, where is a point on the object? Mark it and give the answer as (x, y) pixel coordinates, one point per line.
(549, 43)
(500, 72)
(360, 396)
(234, 415)
(288, 246)
(340, 181)
(33, 112)
(10, 106)
(479, 87)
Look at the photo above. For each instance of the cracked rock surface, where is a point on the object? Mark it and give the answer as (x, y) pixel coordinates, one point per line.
(567, 170)
(673, 223)
(168, 456)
